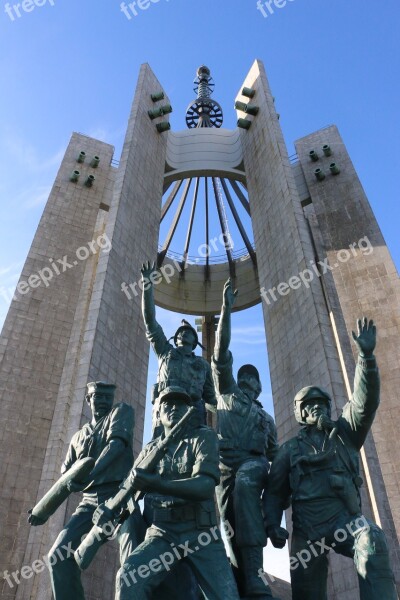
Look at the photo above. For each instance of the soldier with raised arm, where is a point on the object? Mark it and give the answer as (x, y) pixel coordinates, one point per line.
(177, 365)
(248, 442)
(318, 471)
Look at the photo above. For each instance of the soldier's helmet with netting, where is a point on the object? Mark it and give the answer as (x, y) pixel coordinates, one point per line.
(308, 393)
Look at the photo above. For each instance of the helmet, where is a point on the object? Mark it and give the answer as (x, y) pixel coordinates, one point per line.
(251, 370)
(174, 391)
(190, 328)
(305, 394)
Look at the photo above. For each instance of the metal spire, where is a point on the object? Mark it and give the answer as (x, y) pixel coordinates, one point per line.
(204, 112)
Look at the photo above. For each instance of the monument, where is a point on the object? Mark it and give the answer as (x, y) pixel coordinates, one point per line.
(318, 262)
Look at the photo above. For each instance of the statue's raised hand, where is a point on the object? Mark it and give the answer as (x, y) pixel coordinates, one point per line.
(147, 270)
(229, 295)
(366, 338)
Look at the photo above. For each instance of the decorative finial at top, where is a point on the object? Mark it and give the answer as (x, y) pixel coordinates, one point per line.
(204, 112)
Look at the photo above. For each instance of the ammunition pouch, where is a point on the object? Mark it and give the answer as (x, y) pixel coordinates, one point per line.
(345, 489)
(205, 518)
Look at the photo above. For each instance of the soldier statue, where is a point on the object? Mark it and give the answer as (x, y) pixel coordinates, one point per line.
(177, 366)
(248, 441)
(107, 439)
(319, 471)
(183, 524)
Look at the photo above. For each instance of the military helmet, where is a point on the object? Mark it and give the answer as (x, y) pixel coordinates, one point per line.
(176, 392)
(100, 386)
(305, 394)
(186, 325)
(251, 369)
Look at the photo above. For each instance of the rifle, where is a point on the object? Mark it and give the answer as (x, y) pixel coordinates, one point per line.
(116, 508)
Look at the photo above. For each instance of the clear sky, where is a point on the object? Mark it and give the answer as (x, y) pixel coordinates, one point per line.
(72, 65)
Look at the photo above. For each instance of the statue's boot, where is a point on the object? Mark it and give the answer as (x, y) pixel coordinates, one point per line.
(251, 566)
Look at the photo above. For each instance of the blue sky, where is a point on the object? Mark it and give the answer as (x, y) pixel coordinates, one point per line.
(73, 65)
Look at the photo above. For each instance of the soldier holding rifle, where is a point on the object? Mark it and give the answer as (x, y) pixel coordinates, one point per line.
(181, 493)
(107, 440)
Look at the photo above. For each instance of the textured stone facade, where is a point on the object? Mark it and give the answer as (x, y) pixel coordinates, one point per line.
(35, 342)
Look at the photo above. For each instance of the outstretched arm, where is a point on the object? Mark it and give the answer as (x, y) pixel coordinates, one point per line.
(366, 338)
(360, 411)
(209, 391)
(148, 305)
(154, 331)
(223, 338)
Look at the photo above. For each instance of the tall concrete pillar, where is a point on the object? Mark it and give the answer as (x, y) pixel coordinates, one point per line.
(300, 339)
(101, 335)
(36, 335)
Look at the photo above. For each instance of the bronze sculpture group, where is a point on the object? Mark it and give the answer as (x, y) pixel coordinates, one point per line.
(255, 480)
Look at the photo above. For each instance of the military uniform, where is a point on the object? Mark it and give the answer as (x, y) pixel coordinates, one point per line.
(91, 441)
(322, 479)
(181, 527)
(190, 372)
(248, 441)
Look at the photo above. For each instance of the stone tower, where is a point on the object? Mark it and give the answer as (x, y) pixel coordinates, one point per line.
(319, 262)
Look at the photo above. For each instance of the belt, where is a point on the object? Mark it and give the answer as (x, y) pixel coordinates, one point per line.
(174, 515)
(227, 444)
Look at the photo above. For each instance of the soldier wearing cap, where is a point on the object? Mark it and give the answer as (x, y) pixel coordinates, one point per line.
(318, 471)
(183, 519)
(248, 441)
(108, 439)
(177, 366)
